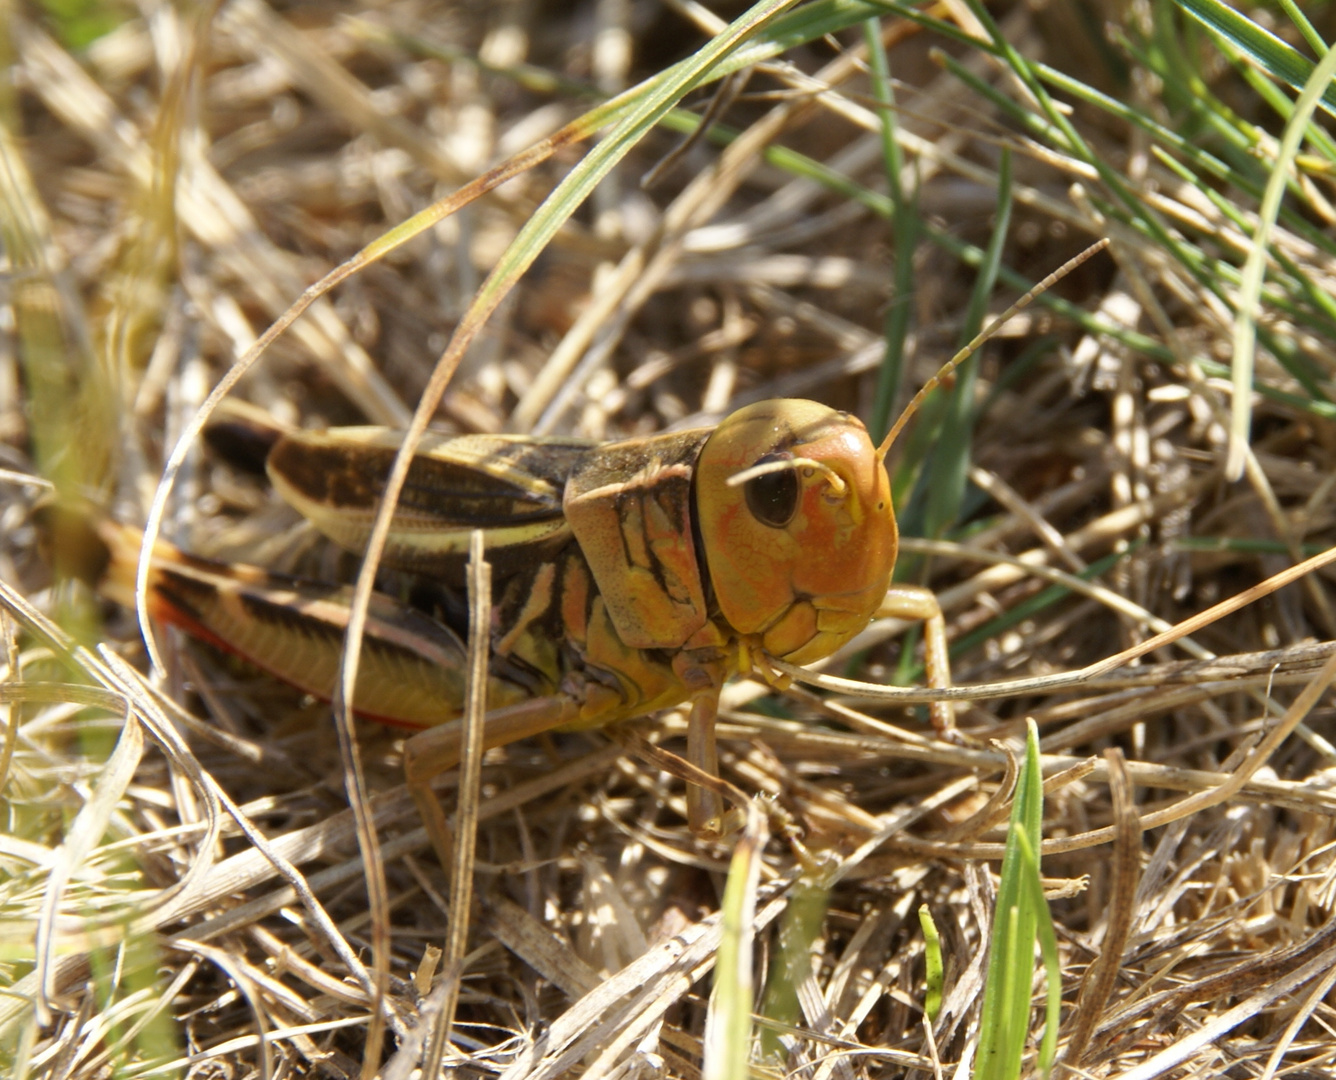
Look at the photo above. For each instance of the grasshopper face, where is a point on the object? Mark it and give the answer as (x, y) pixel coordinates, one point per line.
(797, 527)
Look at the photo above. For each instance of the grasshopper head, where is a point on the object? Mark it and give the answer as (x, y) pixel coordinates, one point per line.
(796, 522)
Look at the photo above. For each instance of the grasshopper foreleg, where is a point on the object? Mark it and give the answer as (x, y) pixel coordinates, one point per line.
(917, 602)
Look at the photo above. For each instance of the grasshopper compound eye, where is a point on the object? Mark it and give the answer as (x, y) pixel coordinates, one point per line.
(795, 517)
(772, 496)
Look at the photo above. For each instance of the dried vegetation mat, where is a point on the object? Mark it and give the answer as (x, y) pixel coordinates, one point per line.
(181, 886)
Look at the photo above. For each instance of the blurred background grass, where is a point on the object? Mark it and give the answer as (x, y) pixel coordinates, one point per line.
(856, 203)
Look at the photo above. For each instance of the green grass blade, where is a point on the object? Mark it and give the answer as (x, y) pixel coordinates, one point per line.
(1319, 142)
(791, 961)
(951, 458)
(1261, 46)
(1048, 938)
(1004, 1025)
(904, 233)
(729, 1023)
(1305, 27)
(934, 976)
(1245, 322)
(656, 98)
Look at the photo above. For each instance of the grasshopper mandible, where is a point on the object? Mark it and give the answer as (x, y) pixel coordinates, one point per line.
(629, 577)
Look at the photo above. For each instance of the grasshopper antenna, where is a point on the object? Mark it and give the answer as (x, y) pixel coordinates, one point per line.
(983, 335)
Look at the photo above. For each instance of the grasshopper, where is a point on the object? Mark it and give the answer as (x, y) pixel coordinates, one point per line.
(629, 577)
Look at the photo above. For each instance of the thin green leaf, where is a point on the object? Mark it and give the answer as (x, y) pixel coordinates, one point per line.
(1262, 47)
(904, 233)
(791, 961)
(1305, 27)
(1029, 842)
(932, 961)
(1245, 320)
(1004, 1023)
(951, 458)
(728, 1025)
(1048, 949)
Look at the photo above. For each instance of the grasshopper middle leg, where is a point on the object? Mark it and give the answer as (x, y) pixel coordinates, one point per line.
(705, 809)
(438, 749)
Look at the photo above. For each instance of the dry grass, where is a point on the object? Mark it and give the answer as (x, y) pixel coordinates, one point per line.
(173, 888)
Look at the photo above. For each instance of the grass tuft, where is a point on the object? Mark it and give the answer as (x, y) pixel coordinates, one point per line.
(337, 214)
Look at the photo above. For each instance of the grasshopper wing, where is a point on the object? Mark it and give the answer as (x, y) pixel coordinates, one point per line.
(509, 486)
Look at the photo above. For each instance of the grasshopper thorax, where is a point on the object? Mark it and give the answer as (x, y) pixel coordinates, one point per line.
(795, 515)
